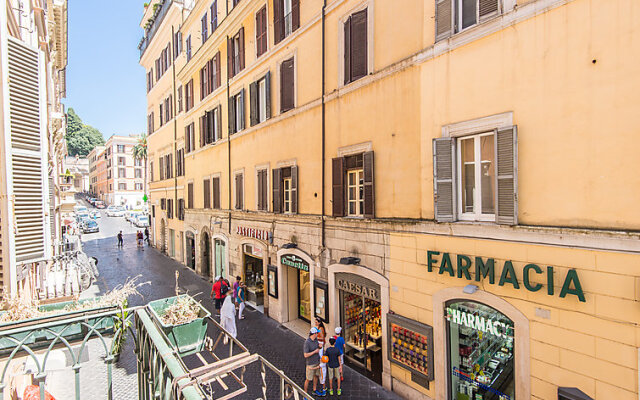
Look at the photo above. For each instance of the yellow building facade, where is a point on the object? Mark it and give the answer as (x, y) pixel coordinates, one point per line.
(432, 177)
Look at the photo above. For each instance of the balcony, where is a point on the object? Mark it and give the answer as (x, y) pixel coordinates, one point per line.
(153, 24)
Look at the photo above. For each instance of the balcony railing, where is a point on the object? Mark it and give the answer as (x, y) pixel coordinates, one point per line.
(156, 21)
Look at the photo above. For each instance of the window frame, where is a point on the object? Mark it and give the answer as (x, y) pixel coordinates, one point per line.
(239, 200)
(291, 56)
(476, 215)
(359, 190)
(369, 6)
(121, 184)
(287, 210)
(187, 45)
(262, 169)
(264, 35)
(204, 26)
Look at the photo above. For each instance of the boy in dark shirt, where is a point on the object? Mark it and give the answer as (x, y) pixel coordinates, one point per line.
(333, 366)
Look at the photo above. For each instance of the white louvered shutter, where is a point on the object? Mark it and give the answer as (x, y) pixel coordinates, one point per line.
(507, 176)
(444, 173)
(444, 19)
(29, 184)
(488, 9)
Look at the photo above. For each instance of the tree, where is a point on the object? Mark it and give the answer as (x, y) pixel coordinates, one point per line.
(140, 153)
(74, 123)
(81, 138)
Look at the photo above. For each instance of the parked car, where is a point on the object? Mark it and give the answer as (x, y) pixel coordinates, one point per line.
(82, 215)
(99, 204)
(114, 211)
(78, 208)
(90, 226)
(141, 221)
(131, 215)
(95, 214)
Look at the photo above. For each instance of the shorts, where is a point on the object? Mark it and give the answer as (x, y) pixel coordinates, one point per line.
(334, 373)
(313, 371)
(341, 359)
(218, 303)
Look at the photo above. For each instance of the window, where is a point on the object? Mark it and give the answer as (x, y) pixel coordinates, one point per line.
(235, 53)
(151, 171)
(163, 204)
(138, 186)
(216, 76)
(177, 47)
(216, 192)
(353, 189)
(121, 148)
(453, 16)
(262, 188)
(161, 113)
(235, 2)
(286, 18)
(170, 208)
(138, 173)
(239, 192)
(168, 164)
(484, 185)
(355, 47)
(287, 85)
(259, 93)
(204, 25)
(149, 80)
(179, 99)
(188, 47)
(206, 190)
(190, 195)
(121, 161)
(180, 162)
(188, 94)
(161, 165)
(214, 16)
(285, 190)
(190, 138)
(204, 81)
(261, 31)
(181, 209)
(122, 186)
(122, 172)
(137, 162)
(236, 112)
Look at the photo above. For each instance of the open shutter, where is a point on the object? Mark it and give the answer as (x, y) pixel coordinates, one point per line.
(444, 179)
(218, 71)
(241, 111)
(507, 176)
(230, 58)
(267, 92)
(219, 123)
(203, 120)
(444, 19)
(278, 19)
(232, 115)
(338, 169)
(369, 187)
(294, 189)
(295, 15)
(276, 184)
(287, 85)
(347, 51)
(253, 103)
(488, 9)
(241, 48)
(358, 45)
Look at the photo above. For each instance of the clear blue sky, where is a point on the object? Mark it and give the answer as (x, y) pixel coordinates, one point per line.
(105, 83)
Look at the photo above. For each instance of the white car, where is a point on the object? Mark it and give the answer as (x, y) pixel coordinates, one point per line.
(141, 221)
(113, 211)
(80, 209)
(95, 214)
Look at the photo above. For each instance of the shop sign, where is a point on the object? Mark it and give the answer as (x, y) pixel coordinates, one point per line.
(291, 260)
(358, 289)
(479, 323)
(486, 269)
(260, 234)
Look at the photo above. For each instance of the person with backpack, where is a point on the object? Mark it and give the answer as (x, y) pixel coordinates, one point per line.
(340, 346)
(219, 289)
(241, 294)
(333, 363)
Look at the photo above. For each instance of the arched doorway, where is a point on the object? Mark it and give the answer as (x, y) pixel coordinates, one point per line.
(163, 237)
(205, 256)
(220, 256)
(191, 250)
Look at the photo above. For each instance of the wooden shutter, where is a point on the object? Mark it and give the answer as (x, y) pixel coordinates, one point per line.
(287, 88)
(241, 48)
(278, 21)
(347, 51)
(202, 130)
(190, 195)
(219, 123)
(241, 111)
(358, 45)
(488, 9)
(230, 57)
(295, 15)
(218, 70)
(216, 192)
(267, 92)
(276, 184)
(294, 189)
(444, 19)
(253, 103)
(338, 169)
(507, 176)
(206, 187)
(444, 179)
(187, 139)
(239, 192)
(232, 115)
(369, 187)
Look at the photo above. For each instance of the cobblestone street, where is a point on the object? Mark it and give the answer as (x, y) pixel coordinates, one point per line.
(260, 334)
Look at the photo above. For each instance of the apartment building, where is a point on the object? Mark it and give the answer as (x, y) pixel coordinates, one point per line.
(77, 170)
(116, 176)
(33, 58)
(431, 176)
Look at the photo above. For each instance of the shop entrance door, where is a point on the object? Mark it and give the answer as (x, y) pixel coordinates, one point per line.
(253, 277)
(304, 297)
(191, 251)
(219, 259)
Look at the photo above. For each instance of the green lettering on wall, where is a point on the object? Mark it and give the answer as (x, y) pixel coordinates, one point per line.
(483, 270)
(525, 277)
(430, 260)
(446, 265)
(572, 276)
(509, 275)
(550, 281)
(463, 264)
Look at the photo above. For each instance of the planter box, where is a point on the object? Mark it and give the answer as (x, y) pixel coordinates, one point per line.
(188, 338)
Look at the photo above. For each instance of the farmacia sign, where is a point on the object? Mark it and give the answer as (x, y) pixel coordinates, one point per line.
(463, 266)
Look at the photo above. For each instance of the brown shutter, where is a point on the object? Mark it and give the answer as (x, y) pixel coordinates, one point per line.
(295, 15)
(507, 176)
(232, 115)
(202, 132)
(240, 190)
(216, 192)
(253, 103)
(278, 19)
(287, 89)
(294, 189)
(241, 50)
(219, 122)
(206, 190)
(202, 82)
(338, 169)
(190, 194)
(265, 191)
(230, 57)
(369, 187)
(347, 51)
(444, 176)
(276, 184)
(242, 110)
(218, 71)
(267, 91)
(444, 19)
(358, 45)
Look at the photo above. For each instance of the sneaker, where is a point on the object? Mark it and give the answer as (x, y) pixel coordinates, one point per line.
(324, 392)
(339, 392)
(318, 393)
(330, 392)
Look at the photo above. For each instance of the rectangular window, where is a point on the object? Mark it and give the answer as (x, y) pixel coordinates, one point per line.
(121, 161)
(239, 192)
(239, 106)
(287, 85)
(286, 18)
(180, 162)
(122, 172)
(177, 47)
(138, 186)
(179, 99)
(170, 208)
(204, 24)
(122, 186)
(216, 192)
(355, 192)
(138, 173)
(188, 47)
(190, 195)
(476, 177)
(214, 15)
(204, 81)
(355, 47)
(151, 171)
(235, 53)
(262, 189)
(236, 112)
(163, 204)
(181, 209)
(190, 138)
(161, 113)
(286, 190)
(353, 185)
(188, 93)
(261, 31)
(260, 100)
(206, 190)
(121, 148)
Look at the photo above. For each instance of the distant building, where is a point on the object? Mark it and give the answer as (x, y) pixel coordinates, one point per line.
(78, 168)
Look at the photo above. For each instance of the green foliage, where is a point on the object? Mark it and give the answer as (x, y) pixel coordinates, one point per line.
(81, 138)
(140, 149)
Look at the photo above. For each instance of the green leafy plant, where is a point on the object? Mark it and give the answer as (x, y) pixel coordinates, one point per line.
(120, 326)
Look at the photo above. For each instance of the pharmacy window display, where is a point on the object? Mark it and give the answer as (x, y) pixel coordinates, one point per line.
(481, 352)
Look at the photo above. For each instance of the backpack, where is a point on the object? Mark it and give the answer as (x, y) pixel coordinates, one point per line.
(224, 288)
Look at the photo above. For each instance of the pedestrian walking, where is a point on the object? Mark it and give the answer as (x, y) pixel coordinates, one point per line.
(139, 238)
(340, 346)
(228, 317)
(242, 289)
(322, 333)
(218, 292)
(120, 242)
(236, 284)
(146, 236)
(333, 364)
(311, 349)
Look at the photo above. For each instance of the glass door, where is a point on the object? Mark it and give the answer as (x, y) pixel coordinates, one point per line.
(219, 257)
(304, 296)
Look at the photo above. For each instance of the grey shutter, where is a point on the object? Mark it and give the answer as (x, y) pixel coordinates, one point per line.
(294, 189)
(232, 115)
(507, 176)
(241, 111)
(347, 51)
(338, 169)
(444, 19)
(267, 91)
(369, 187)
(444, 173)
(277, 191)
(253, 103)
(488, 9)
(219, 123)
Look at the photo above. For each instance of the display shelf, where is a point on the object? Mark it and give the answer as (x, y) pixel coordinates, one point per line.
(360, 348)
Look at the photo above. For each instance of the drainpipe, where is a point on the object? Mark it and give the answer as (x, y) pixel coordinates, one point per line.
(175, 126)
(228, 135)
(324, 5)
